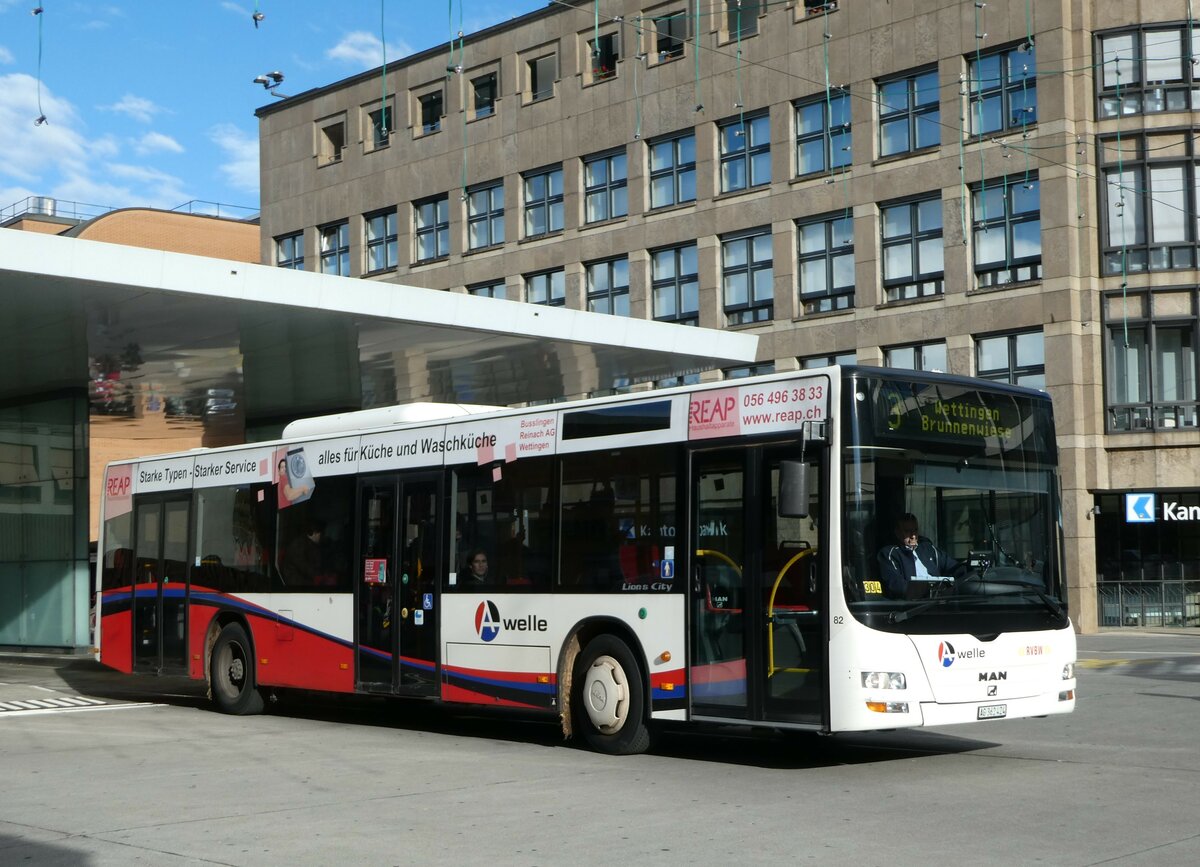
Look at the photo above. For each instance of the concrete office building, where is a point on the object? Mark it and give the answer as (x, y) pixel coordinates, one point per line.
(1006, 190)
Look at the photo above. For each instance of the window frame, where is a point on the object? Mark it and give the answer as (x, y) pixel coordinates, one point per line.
(491, 217)
(422, 125)
(550, 202)
(919, 350)
(919, 284)
(534, 68)
(1014, 372)
(339, 253)
(599, 64)
(381, 125)
(330, 148)
(295, 244)
(826, 135)
(388, 241)
(665, 44)
(476, 112)
(812, 301)
(741, 21)
(754, 309)
(1135, 94)
(493, 289)
(1148, 254)
(615, 295)
(1151, 413)
(912, 113)
(610, 189)
(744, 130)
(677, 170)
(677, 283)
(1004, 90)
(1012, 269)
(556, 289)
(438, 230)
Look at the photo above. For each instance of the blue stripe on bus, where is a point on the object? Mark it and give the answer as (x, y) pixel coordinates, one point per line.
(540, 688)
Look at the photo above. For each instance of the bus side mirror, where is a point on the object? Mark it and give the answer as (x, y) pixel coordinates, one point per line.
(793, 489)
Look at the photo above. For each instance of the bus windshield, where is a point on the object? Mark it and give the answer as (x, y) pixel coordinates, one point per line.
(952, 512)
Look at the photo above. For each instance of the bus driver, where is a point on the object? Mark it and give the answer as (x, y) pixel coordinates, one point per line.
(910, 568)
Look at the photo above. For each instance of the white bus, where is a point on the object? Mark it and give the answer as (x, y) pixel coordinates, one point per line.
(715, 553)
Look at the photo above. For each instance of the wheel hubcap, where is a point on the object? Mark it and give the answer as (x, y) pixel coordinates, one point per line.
(606, 695)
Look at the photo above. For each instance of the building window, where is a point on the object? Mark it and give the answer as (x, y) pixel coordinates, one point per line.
(289, 251)
(823, 134)
(741, 18)
(604, 179)
(548, 288)
(603, 54)
(431, 219)
(670, 35)
(495, 289)
(335, 249)
(1018, 359)
(919, 356)
(1150, 211)
(483, 95)
(431, 111)
(485, 216)
(745, 153)
(748, 277)
(814, 361)
(381, 241)
(608, 286)
(746, 370)
(677, 381)
(1003, 88)
(819, 7)
(675, 284)
(381, 127)
(913, 258)
(1152, 355)
(1148, 71)
(826, 262)
(543, 202)
(331, 141)
(673, 171)
(1008, 232)
(541, 73)
(909, 113)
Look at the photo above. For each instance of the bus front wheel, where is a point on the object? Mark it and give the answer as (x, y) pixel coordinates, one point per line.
(232, 673)
(610, 700)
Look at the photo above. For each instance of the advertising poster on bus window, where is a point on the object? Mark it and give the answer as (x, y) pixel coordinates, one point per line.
(768, 407)
(293, 476)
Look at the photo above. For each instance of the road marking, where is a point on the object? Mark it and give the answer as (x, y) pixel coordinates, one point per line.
(29, 707)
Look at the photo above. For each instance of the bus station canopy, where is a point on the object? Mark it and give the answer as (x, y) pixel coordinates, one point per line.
(206, 335)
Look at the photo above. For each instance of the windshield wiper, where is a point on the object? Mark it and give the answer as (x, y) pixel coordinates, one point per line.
(901, 616)
(1026, 587)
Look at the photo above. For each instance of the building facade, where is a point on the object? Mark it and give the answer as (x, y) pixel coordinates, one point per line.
(1007, 190)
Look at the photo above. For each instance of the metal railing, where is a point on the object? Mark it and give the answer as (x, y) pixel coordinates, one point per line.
(1169, 602)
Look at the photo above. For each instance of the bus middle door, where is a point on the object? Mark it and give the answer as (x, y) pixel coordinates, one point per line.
(399, 551)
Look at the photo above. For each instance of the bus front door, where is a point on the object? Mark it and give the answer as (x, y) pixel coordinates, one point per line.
(398, 563)
(757, 646)
(160, 583)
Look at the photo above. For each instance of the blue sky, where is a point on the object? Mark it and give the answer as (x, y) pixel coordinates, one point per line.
(152, 102)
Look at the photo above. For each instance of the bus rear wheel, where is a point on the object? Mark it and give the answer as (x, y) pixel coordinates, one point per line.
(610, 700)
(232, 672)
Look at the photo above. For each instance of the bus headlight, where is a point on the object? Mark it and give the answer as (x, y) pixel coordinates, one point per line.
(1069, 671)
(883, 680)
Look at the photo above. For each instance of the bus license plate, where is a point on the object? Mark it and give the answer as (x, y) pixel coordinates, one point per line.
(992, 711)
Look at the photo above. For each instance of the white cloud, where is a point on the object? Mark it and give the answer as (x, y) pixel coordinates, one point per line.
(156, 142)
(31, 151)
(136, 107)
(6, 56)
(364, 49)
(58, 159)
(241, 150)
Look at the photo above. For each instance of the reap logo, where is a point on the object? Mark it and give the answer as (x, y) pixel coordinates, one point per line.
(487, 620)
(945, 652)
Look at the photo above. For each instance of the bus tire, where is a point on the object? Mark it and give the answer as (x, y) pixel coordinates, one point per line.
(231, 670)
(609, 703)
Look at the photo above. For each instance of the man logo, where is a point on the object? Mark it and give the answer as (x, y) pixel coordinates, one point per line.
(945, 653)
(487, 620)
